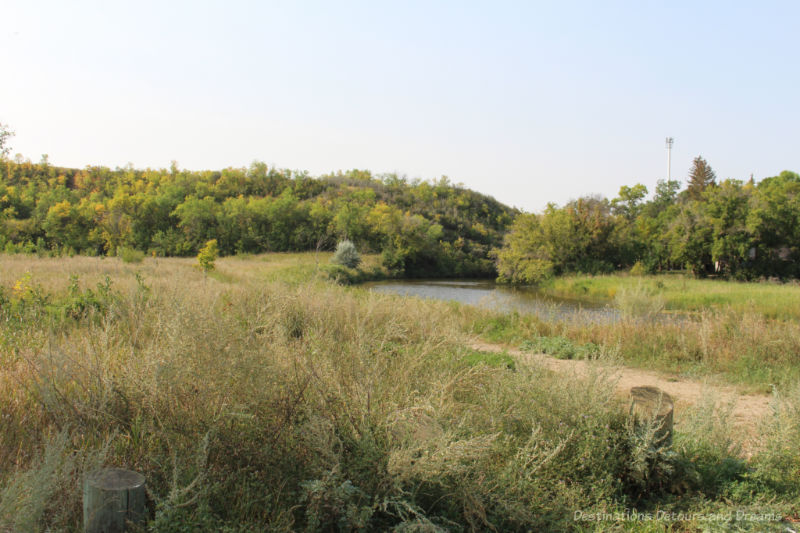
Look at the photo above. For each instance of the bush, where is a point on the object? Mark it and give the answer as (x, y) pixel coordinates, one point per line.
(525, 271)
(562, 348)
(346, 255)
(208, 254)
(130, 255)
(638, 269)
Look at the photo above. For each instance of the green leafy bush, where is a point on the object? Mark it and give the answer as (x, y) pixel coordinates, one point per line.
(208, 254)
(561, 348)
(130, 255)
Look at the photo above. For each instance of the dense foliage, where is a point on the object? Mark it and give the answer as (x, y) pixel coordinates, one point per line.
(735, 229)
(743, 230)
(421, 228)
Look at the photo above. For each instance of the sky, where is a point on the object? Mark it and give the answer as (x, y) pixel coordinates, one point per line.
(530, 102)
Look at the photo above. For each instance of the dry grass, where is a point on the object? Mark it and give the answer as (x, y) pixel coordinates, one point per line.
(637, 301)
(744, 349)
(266, 399)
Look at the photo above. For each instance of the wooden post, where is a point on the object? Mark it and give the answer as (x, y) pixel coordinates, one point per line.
(653, 404)
(113, 498)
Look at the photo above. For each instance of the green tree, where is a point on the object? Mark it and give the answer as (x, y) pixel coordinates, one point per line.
(197, 219)
(774, 222)
(628, 207)
(727, 208)
(66, 226)
(117, 222)
(525, 257)
(628, 203)
(593, 233)
(409, 243)
(690, 239)
(701, 176)
(579, 237)
(666, 193)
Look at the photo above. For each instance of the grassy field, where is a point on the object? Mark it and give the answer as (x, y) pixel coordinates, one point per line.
(746, 334)
(746, 350)
(266, 397)
(682, 293)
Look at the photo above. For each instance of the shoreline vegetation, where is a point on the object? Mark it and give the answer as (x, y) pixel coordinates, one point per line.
(262, 395)
(679, 292)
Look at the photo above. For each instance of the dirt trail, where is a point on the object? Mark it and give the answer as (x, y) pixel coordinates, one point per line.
(748, 410)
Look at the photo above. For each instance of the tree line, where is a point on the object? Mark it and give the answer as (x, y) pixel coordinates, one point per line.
(732, 228)
(421, 228)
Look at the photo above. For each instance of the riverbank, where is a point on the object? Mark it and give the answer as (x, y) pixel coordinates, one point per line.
(683, 293)
(746, 350)
(717, 343)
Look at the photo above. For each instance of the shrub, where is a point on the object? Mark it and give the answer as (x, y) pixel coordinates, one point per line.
(208, 254)
(346, 254)
(638, 269)
(523, 271)
(562, 348)
(130, 255)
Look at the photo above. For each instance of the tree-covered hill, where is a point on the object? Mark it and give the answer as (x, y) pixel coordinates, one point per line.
(731, 228)
(421, 228)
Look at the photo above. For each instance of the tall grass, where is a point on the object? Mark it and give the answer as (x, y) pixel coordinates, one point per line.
(252, 404)
(681, 293)
(739, 348)
(638, 301)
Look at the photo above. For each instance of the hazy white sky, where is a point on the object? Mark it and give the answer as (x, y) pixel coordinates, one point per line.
(529, 102)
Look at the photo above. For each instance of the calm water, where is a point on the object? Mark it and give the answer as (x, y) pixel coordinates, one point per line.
(490, 295)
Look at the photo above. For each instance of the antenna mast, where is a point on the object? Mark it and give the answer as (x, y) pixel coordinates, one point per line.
(670, 140)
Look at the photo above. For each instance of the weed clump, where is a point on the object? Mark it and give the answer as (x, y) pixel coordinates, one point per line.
(561, 347)
(502, 360)
(639, 301)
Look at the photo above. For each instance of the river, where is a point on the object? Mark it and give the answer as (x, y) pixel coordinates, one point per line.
(490, 295)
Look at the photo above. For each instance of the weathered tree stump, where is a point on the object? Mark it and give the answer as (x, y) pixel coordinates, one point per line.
(652, 404)
(113, 498)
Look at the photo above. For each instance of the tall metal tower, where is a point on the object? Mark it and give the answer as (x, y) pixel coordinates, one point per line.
(670, 140)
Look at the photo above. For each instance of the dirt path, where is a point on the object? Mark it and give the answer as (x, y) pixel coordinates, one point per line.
(748, 410)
